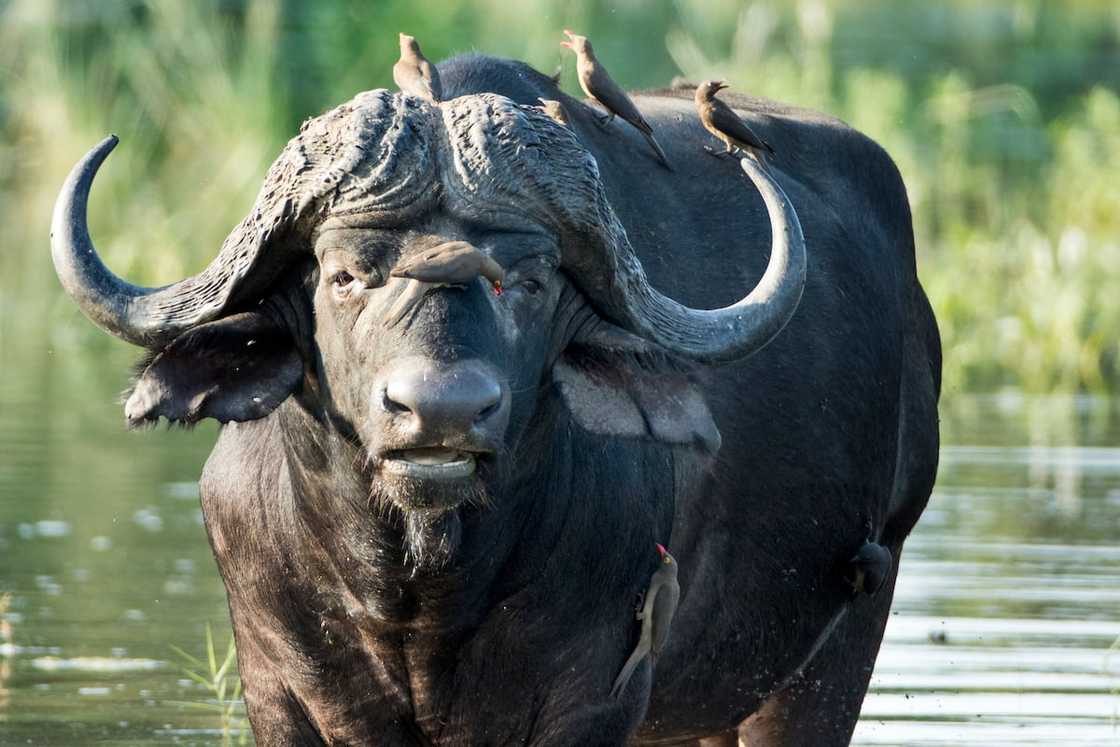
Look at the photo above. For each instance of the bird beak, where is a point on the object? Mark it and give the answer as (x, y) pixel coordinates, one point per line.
(720, 86)
(661, 549)
(567, 44)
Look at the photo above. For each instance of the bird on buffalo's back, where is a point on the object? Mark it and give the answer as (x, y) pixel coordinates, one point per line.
(414, 75)
(870, 567)
(597, 83)
(720, 119)
(656, 614)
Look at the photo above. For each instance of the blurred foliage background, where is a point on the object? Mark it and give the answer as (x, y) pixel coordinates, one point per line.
(1003, 116)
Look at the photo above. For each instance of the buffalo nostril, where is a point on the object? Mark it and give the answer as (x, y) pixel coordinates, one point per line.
(391, 405)
(490, 409)
(443, 398)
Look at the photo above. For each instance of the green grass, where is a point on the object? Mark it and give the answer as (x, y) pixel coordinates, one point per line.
(223, 687)
(1002, 115)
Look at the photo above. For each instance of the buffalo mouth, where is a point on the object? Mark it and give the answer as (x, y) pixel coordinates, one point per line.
(430, 463)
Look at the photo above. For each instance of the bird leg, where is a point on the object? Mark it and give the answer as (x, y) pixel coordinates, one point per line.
(716, 153)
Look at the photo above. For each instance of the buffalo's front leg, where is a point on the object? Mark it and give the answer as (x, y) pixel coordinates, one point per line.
(276, 716)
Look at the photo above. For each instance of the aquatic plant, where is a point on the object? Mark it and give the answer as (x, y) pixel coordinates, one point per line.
(221, 681)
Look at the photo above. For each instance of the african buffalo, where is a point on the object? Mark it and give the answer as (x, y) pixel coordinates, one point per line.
(434, 524)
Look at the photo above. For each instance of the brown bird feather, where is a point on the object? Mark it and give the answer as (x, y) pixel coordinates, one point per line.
(597, 83)
(656, 616)
(414, 75)
(450, 263)
(719, 119)
(555, 110)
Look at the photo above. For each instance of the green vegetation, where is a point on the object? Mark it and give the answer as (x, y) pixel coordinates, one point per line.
(1003, 117)
(223, 686)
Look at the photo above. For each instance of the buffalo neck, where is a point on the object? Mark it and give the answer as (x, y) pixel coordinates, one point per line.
(558, 511)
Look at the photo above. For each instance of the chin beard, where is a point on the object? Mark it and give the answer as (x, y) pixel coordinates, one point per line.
(430, 518)
(431, 540)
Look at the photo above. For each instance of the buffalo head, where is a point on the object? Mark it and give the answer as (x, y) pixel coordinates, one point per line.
(365, 280)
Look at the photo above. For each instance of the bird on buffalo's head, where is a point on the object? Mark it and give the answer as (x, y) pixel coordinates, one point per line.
(378, 207)
(414, 74)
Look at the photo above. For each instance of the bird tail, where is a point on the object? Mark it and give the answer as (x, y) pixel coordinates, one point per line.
(657, 149)
(627, 671)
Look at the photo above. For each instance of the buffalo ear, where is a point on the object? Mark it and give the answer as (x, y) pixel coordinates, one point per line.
(238, 368)
(616, 383)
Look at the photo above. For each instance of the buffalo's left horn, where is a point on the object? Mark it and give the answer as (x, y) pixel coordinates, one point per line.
(716, 335)
(149, 317)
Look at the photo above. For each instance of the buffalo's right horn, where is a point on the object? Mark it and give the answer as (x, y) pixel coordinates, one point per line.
(149, 317)
(614, 279)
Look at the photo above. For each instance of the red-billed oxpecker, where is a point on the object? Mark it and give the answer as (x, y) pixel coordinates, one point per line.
(656, 614)
(450, 263)
(597, 83)
(414, 75)
(719, 119)
(555, 110)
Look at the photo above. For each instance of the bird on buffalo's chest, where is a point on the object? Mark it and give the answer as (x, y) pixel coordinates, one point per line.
(597, 83)
(870, 567)
(414, 75)
(656, 614)
(719, 119)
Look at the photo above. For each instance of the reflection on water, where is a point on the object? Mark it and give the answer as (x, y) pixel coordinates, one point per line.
(1006, 609)
(1006, 624)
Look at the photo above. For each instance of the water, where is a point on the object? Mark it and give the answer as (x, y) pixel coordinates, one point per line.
(1006, 621)
(1006, 609)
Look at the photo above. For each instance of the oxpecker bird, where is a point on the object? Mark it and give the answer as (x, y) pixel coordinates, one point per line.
(555, 110)
(719, 119)
(596, 82)
(450, 263)
(656, 614)
(414, 75)
(870, 567)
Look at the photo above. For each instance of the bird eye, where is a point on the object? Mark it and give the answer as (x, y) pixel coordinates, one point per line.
(532, 287)
(342, 279)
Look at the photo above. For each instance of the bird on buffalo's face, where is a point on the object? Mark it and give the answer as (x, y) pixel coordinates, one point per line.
(719, 119)
(597, 83)
(450, 263)
(656, 614)
(555, 110)
(870, 567)
(414, 75)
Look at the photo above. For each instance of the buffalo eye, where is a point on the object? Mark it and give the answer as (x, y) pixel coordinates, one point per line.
(342, 279)
(343, 284)
(531, 286)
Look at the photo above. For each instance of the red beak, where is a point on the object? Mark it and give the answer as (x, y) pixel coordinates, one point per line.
(661, 549)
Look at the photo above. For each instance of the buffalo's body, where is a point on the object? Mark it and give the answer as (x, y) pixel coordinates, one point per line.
(829, 437)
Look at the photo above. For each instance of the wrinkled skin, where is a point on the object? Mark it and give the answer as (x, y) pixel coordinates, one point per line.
(371, 606)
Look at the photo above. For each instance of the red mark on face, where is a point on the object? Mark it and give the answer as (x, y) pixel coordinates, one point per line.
(497, 289)
(661, 549)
